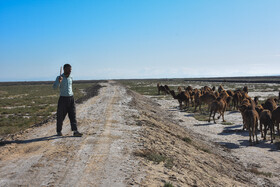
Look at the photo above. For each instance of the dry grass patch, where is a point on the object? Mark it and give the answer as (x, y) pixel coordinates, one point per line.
(257, 172)
(227, 123)
(155, 157)
(187, 139)
(201, 116)
(168, 184)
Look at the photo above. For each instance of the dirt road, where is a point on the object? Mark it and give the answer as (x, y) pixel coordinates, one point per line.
(132, 140)
(102, 157)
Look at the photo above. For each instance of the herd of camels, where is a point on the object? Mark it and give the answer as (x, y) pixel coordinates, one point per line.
(265, 116)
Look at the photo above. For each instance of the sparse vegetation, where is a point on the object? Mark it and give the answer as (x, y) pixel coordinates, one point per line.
(227, 123)
(156, 157)
(187, 139)
(168, 184)
(23, 105)
(257, 172)
(201, 116)
(205, 150)
(169, 163)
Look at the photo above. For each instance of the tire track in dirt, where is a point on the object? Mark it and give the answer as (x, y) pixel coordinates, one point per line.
(94, 170)
(78, 163)
(69, 152)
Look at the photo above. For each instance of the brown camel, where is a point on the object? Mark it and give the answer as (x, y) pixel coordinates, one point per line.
(162, 89)
(236, 99)
(270, 104)
(219, 105)
(266, 120)
(251, 122)
(245, 89)
(276, 119)
(206, 98)
(182, 97)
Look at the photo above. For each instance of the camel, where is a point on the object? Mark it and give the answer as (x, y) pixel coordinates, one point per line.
(270, 104)
(266, 120)
(189, 88)
(216, 94)
(206, 98)
(245, 104)
(162, 89)
(276, 119)
(206, 89)
(223, 94)
(229, 100)
(245, 95)
(182, 97)
(245, 89)
(259, 108)
(167, 89)
(230, 93)
(256, 100)
(192, 97)
(219, 105)
(236, 99)
(221, 88)
(251, 118)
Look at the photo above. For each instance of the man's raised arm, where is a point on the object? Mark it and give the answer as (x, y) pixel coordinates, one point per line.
(58, 80)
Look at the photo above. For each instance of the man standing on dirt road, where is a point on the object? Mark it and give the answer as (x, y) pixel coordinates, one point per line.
(66, 102)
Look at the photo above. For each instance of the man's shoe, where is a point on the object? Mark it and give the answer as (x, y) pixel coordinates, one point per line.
(59, 134)
(77, 134)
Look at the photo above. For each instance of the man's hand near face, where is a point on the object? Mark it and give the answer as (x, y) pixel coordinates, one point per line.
(60, 79)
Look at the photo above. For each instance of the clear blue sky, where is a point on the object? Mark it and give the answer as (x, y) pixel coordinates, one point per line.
(115, 39)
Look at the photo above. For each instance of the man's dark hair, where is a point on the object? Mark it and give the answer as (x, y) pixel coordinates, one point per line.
(66, 66)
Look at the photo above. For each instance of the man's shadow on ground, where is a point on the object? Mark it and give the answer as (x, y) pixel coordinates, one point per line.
(47, 138)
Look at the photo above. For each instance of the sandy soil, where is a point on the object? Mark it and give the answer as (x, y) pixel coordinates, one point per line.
(263, 157)
(123, 134)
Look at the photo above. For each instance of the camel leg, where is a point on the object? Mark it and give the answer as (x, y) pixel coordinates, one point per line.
(274, 129)
(261, 130)
(219, 115)
(271, 136)
(210, 116)
(256, 132)
(214, 116)
(243, 124)
(278, 129)
(180, 104)
(195, 107)
(250, 134)
(253, 134)
(265, 131)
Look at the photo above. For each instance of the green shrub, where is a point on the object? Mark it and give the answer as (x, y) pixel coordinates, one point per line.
(187, 139)
(168, 184)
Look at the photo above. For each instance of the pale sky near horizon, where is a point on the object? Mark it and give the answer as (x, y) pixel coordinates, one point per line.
(123, 39)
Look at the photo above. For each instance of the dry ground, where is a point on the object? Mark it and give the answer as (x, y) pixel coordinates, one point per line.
(130, 140)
